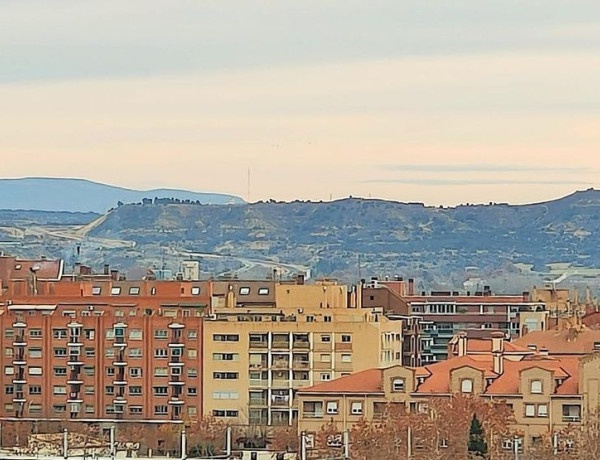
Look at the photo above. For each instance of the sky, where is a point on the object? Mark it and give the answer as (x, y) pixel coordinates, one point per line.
(430, 101)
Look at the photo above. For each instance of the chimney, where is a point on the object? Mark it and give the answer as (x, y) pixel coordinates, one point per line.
(487, 291)
(114, 275)
(106, 269)
(411, 286)
(462, 343)
(498, 352)
(300, 279)
(525, 296)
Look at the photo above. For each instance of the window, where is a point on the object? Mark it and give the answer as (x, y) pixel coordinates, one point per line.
(115, 290)
(96, 290)
(110, 333)
(35, 389)
(192, 353)
(161, 391)
(192, 372)
(332, 407)
(225, 413)
(89, 390)
(134, 290)
(346, 338)
(109, 390)
(89, 370)
(398, 385)
(192, 391)
(325, 376)
(542, 410)
(135, 352)
(135, 410)
(327, 319)
(35, 333)
(59, 333)
(135, 372)
(60, 371)
(89, 409)
(310, 319)
(90, 352)
(161, 353)
(346, 358)
(9, 389)
(35, 408)
(161, 334)
(9, 352)
(59, 390)
(225, 375)
(35, 371)
(9, 370)
(161, 371)
(244, 290)
(225, 356)
(160, 410)
(226, 337)
(529, 410)
(35, 352)
(356, 408)
(536, 386)
(110, 371)
(90, 334)
(466, 386)
(109, 352)
(135, 334)
(8, 407)
(59, 408)
(192, 411)
(263, 291)
(195, 290)
(9, 333)
(325, 358)
(135, 391)
(225, 395)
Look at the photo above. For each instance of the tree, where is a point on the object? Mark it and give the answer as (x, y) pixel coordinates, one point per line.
(206, 437)
(477, 445)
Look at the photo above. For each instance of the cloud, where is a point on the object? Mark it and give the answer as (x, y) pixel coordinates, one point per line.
(482, 167)
(454, 182)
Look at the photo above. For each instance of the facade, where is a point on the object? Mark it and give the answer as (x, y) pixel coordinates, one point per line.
(103, 351)
(545, 393)
(265, 341)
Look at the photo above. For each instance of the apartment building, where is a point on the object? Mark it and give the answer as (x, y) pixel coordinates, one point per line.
(545, 393)
(102, 351)
(264, 341)
(439, 315)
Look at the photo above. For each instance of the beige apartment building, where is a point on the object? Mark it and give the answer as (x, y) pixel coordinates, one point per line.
(265, 341)
(546, 394)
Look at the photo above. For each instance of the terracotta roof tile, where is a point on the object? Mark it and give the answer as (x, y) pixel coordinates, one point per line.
(368, 381)
(567, 342)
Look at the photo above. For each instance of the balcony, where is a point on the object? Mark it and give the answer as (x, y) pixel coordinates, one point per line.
(120, 342)
(176, 343)
(20, 341)
(176, 326)
(281, 383)
(301, 383)
(119, 401)
(176, 361)
(280, 344)
(19, 379)
(19, 325)
(280, 400)
(74, 379)
(258, 402)
(258, 383)
(175, 381)
(120, 382)
(313, 414)
(260, 365)
(19, 397)
(301, 344)
(176, 401)
(281, 364)
(119, 363)
(19, 360)
(74, 342)
(300, 364)
(74, 360)
(258, 344)
(571, 418)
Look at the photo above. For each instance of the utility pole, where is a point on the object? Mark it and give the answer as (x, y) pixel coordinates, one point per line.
(516, 447)
(65, 443)
(346, 445)
(183, 445)
(409, 444)
(303, 446)
(228, 442)
(113, 452)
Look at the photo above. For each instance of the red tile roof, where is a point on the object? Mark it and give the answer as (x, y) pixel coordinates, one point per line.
(567, 342)
(369, 381)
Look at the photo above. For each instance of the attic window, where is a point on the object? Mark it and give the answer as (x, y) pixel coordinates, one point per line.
(263, 291)
(115, 291)
(134, 290)
(18, 267)
(466, 386)
(536, 386)
(244, 290)
(596, 345)
(195, 290)
(96, 290)
(398, 385)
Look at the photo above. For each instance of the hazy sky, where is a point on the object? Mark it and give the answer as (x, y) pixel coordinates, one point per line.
(436, 101)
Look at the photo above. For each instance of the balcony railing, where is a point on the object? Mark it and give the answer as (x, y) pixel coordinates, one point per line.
(571, 418)
(261, 344)
(300, 364)
(343, 346)
(258, 401)
(285, 344)
(281, 364)
(304, 344)
(313, 414)
(258, 382)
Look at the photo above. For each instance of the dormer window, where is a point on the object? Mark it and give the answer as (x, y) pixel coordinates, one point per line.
(195, 290)
(244, 290)
(263, 291)
(96, 290)
(134, 290)
(398, 385)
(596, 345)
(536, 387)
(466, 386)
(115, 291)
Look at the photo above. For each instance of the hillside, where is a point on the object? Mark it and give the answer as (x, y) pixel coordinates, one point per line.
(511, 246)
(387, 236)
(78, 195)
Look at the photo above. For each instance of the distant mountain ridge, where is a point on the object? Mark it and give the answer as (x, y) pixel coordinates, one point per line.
(81, 195)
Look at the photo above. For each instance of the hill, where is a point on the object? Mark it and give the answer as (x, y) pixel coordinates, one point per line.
(79, 195)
